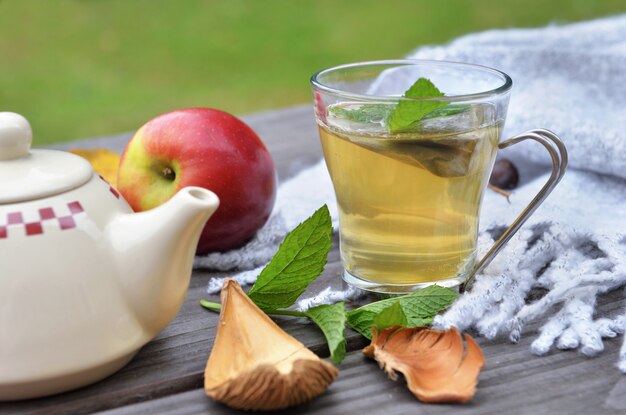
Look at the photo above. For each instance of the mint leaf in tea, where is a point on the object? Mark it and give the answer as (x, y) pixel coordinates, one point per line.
(404, 115)
(366, 113)
(447, 111)
(407, 112)
(434, 146)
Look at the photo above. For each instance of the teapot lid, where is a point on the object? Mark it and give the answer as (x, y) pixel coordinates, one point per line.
(33, 174)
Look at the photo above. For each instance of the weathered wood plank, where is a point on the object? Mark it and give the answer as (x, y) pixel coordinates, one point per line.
(513, 382)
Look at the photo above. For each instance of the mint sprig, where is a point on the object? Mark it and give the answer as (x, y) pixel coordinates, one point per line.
(404, 115)
(301, 258)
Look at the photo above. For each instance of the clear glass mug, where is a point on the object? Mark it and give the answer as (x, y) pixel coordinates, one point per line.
(409, 200)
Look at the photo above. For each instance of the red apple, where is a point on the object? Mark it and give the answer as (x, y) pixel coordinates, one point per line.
(207, 148)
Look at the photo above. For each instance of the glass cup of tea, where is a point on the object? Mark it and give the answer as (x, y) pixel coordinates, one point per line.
(410, 169)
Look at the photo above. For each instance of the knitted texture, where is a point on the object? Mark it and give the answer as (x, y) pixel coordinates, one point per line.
(569, 79)
(573, 247)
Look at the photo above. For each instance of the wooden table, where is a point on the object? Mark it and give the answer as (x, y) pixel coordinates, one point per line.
(166, 375)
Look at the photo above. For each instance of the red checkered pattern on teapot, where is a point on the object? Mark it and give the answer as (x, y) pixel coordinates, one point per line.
(63, 217)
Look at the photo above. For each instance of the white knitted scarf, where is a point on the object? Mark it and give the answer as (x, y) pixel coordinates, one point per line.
(569, 79)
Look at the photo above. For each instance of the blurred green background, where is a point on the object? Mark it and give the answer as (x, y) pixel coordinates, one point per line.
(85, 68)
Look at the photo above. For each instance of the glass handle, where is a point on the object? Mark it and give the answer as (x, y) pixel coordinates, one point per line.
(558, 153)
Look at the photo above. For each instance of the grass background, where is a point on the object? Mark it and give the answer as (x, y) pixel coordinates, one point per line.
(84, 68)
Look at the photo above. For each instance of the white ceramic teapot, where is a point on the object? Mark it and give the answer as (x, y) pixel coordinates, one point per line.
(84, 281)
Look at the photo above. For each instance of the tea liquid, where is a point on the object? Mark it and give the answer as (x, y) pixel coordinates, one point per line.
(409, 202)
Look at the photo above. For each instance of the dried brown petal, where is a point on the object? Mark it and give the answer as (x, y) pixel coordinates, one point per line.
(256, 365)
(433, 362)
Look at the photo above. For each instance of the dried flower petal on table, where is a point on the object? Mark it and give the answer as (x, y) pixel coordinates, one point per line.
(254, 365)
(436, 366)
(105, 162)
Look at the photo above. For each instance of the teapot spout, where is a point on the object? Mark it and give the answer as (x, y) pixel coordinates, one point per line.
(155, 251)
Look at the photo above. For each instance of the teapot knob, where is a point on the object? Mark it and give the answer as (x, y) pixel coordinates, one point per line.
(16, 136)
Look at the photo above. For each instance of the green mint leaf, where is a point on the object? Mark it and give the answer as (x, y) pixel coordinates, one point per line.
(331, 319)
(391, 316)
(408, 112)
(448, 110)
(300, 259)
(366, 113)
(419, 308)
